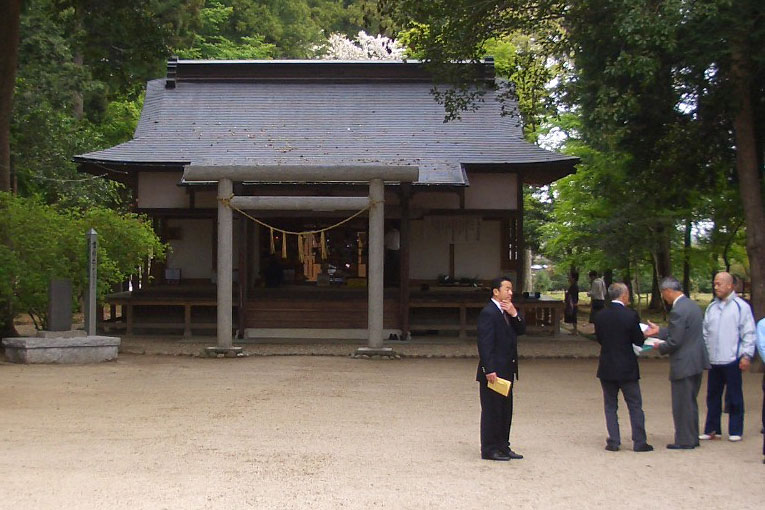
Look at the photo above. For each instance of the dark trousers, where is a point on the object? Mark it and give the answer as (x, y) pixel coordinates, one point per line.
(595, 306)
(722, 377)
(685, 409)
(496, 419)
(392, 268)
(763, 414)
(631, 392)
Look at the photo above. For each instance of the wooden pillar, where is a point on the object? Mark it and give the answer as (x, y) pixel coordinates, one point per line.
(405, 195)
(521, 241)
(243, 275)
(376, 255)
(451, 262)
(187, 320)
(129, 318)
(224, 265)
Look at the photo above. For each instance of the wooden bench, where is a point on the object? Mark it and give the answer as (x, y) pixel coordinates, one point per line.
(128, 304)
(541, 315)
(463, 327)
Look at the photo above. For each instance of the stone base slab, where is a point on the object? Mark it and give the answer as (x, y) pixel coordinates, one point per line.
(375, 353)
(79, 349)
(223, 352)
(71, 333)
(307, 333)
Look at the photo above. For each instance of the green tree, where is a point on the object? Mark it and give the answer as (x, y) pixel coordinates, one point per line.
(647, 77)
(42, 242)
(218, 38)
(531, 67)
(10, 16)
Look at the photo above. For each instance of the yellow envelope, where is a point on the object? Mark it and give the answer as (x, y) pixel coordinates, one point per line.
(501, 386)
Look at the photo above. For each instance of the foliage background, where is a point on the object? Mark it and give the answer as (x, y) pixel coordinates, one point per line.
(641, 91)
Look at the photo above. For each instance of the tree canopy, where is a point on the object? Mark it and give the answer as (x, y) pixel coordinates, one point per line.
(42, 242)
(670, 104)
(662, 101)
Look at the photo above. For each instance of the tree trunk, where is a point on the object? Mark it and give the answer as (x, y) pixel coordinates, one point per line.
(655, 302)
(78, 104)
(662, 266)
(608, 277)
(747, 168)
(10, 14)
(628, 281)
(687, 259)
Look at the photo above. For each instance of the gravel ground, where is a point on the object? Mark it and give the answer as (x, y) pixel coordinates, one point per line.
(327, 432)
(564, 346)
(529, 347)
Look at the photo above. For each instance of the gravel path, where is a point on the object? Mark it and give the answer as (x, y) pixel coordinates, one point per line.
(328, 432)
(565, 346)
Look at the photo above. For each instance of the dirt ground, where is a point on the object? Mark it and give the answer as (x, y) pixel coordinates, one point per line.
(318, 432)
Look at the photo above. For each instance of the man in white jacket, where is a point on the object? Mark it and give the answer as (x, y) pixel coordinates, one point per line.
(761, 349)
(729, 335)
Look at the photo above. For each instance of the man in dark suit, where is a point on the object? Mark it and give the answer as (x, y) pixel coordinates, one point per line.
(498, 326)
(683, 340)
(617, 329)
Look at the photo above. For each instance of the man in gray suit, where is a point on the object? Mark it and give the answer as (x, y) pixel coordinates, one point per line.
(683, 340)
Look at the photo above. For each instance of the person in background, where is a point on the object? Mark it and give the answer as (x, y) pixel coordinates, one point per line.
(572, 301)
(761, 351)
(597, 294)
(729, 336)
(392, 259)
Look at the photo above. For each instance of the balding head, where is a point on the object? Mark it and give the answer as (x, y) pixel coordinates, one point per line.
(619, 292)
(723, 285)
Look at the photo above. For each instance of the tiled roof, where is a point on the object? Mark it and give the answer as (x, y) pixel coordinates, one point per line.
(321, 122)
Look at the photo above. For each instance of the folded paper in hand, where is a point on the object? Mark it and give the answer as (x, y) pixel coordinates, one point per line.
(647, 345)
(501, 386)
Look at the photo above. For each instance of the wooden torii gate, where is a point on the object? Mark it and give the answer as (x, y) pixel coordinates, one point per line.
(226, 175)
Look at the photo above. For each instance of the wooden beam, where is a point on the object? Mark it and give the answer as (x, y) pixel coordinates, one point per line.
(301, 173)
(300, 203)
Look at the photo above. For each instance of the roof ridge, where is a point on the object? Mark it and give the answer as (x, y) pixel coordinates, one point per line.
(337, 71)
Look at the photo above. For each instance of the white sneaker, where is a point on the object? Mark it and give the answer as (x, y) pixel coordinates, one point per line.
(707, 437)
(734, 438)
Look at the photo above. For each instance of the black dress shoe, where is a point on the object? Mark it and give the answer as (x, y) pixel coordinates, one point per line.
(673, 446)
(644, 448)
(495, 456)
(513, 455)
(612, 448)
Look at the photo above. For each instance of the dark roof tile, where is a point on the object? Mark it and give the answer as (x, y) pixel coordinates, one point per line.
(321, 123)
